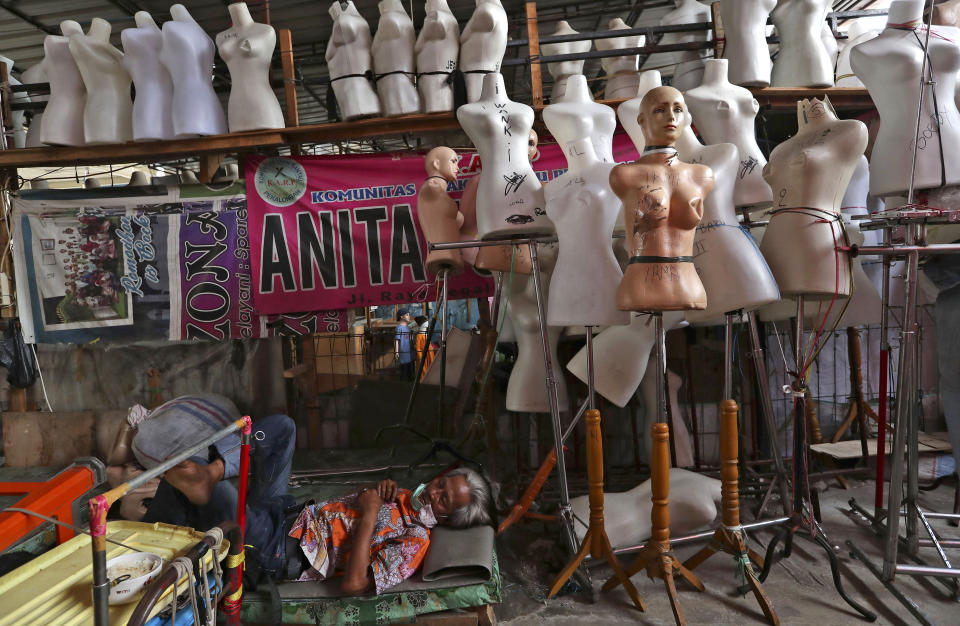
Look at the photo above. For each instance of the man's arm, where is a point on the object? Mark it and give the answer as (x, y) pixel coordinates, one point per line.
(356, 577)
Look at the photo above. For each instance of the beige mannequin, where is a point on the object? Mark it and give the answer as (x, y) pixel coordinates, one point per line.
(662, 205)
(439, 218)
(809, 174)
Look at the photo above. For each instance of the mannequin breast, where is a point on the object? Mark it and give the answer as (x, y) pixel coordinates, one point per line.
(152, 112)
(247, 51)
(188, 55)
(437, 50)
(393, 51)
(482, 44)
(64, 110)
(583, 119)
(584, 208)
(803, 60)
(745, 28)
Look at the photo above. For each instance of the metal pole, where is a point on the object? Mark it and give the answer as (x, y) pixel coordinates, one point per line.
(485, 243)
(661, 415)
(590, 399)
(728, 358)
(884, 364)
(443, 353)
(497, 294)
(913, 413)
(706, 534)
(798, 348)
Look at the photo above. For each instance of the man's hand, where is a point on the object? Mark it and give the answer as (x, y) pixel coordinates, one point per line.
(388, 490)
(370, 502)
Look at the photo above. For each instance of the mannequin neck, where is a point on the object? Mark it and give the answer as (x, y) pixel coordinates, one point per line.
(715, 71)
(99, 29)
(494, 89)
(617, 24)
(145, 20)
(69, 27)
(564, 28)
(436, 6)
(580, 155)
(482, 2)
(905, 13)
(386, 6)
(577, 90)
(240, 14)
(179, 13)
(667, 151)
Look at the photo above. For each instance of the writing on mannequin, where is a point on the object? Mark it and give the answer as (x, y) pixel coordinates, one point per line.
(349, 63)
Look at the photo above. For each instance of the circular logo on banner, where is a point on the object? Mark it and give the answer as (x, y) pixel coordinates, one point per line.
(280, 181)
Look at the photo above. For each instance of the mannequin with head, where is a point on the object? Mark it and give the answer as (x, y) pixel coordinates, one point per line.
(247, 47)
(509, 194)
(859, 32)
(63, 115)
(890, 65)
(482, 44)
(622, 75)
(36, 73)
(187, 54)
(153, 104)
(725, 113)
(809, 174)
(108, 113)
(526, 391)
(439, 219)
(745, 27)
(583, 208)
(19, 139)
(563, 70)
(349, 63)
(662, 205)
(437, 49)
(394, 62)
(627, 113)
(689, 63)
(803, 60)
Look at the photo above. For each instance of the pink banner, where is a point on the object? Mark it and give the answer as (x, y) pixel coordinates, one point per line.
(335, 232)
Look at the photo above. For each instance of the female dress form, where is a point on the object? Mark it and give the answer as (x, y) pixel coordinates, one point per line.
(108, 113)
(662, 205)
(561, 71)
(629, 111)
(585, 118)
(153, 104)
(19, 138)
(187, 54)
(864, 307)
(622, 75)
(437, 50)
(689, 63)
(349, 61)
(247, 48)
(437, 212)
(509, 194)
(36, 73)
(858, 33)
(482, 44)
(63, 115)
(394, 60)
(889, 65)
(809, 174)
(728, 261)
(745, 27)
(803, 60)
(725, 114)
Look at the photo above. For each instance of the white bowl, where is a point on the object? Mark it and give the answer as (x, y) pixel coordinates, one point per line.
(139, 567)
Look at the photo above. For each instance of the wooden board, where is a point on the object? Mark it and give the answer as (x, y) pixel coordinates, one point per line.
(929, 443)
(35, 438)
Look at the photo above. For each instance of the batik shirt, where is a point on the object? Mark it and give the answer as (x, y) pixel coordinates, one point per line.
(397, 547)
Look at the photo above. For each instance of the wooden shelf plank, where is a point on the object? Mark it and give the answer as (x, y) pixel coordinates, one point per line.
(786, 97)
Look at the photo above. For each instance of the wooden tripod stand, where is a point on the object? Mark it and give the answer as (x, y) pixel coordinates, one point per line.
(656, 557)
(595, 541)
(730, 537)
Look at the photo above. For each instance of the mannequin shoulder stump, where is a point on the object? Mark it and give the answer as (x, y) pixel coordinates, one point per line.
(433, 189)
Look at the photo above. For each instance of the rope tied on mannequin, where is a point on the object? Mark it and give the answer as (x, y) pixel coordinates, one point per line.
(456, 80)
(377, 77)
(332, 109)
(659, 259)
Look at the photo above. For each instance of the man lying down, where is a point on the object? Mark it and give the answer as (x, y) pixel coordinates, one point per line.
(395, 523)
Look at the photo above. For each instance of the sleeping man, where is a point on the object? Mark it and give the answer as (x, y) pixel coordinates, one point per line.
(395, 524)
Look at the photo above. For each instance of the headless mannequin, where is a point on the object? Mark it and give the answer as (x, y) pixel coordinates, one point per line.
(187, 54)
(830, 43)
(864, 307)
(439, 219)
(188, 177)
(728, 261)
(526, 391)
(63, 115)
(509, 194)
(586, 118)
(247, 47)
(689, 70)
(108, 113)
(745, 27)
(858, 33)
(138, 179)
(725, 114)
(36, 73)
(622, 75)
(394, 60)
(803, 60)
(437, 49)
(153, 105)
(889, 65)
(663, 203)
(349, 61)
(482, 44)
(810, 173)
(17, 118)
(561, 71)
(678, 429)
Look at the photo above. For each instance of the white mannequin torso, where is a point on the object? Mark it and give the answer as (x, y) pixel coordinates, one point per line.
(745, 27)
(247, 47)
(108, 113)
(438, 49)
(584, 118)
(36, 73)
(509, 196)
(622, 74)
(830, 44)
(845, 76)
(810, 173)
(19, 139)
(689, 69)
(803, 60)
(153, 105)
(64, 111)
(561, 71)
(864, 307)
(349, 60)
(187, 54)
(725, 113)
(482, 44)
(889, 65)
(394, 60)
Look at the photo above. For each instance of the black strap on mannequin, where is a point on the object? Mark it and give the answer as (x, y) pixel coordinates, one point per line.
(377, 77)
(333, 111)
(660, 259)
(457, 81)
(445, 181)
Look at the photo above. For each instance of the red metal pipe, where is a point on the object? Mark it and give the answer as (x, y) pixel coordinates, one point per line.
(233, 600)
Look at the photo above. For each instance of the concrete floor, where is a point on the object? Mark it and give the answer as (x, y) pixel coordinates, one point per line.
(801, 587)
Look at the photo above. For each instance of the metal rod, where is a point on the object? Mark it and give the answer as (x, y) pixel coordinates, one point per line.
(922, 570)
(591, 403)
(484, 243)
(661, 415)
(905, 600)
(798, 348)
(443, 354)
(497, 294)
(923, 85)
(946, 543)
(576, 420)
(936, 248)
(728, 358)
(933, 515)
(884, 364)
(706, 534)
(934, 539)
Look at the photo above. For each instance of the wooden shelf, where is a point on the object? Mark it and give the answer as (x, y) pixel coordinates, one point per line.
(786, 98)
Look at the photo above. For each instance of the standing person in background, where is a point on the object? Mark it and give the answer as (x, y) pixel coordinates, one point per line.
(402, 347)
(423, 343)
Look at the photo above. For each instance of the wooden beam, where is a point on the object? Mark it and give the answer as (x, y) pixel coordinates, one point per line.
(533, 41)
(208, 166)
(719, 39)
(289, 79)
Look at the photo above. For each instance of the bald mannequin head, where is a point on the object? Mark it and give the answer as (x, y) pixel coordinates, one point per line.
(532, 145)
(662, 116)
(443, 162)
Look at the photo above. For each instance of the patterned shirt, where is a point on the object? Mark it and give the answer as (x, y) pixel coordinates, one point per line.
(397, 548)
